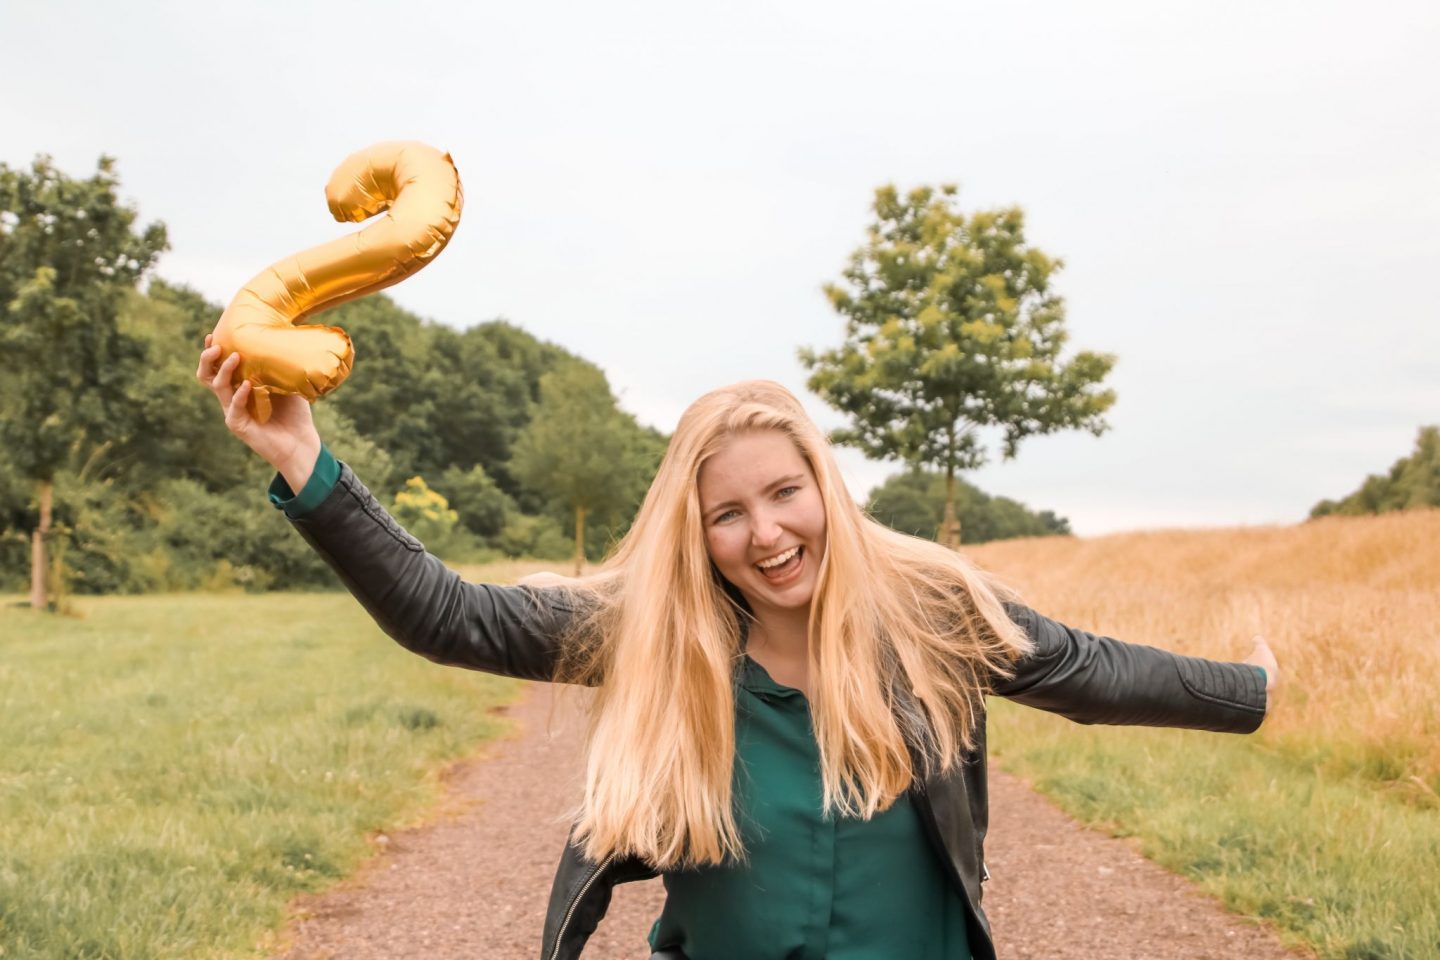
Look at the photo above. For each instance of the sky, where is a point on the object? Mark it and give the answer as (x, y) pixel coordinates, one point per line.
(1246, 197)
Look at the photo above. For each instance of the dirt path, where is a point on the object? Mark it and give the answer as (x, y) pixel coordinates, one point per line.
(473, 883)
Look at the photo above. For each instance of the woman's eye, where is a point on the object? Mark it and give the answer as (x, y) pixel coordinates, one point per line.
(788, 491)
(721, 518)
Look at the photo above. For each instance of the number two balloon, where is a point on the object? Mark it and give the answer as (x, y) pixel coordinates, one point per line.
(418, 189)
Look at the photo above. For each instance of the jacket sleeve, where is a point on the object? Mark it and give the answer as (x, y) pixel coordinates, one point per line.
(1091, 679)
(425, 606)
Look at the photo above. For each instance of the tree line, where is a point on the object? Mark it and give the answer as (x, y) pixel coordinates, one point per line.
(1412, 482)
(119, 473)
(119, 476)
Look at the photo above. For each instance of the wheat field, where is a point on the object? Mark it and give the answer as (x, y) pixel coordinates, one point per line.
(1350, 606)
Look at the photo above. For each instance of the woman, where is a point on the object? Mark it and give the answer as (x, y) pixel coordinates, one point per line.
(788, 723)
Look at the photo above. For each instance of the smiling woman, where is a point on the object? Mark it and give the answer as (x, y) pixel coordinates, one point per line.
(789, 717)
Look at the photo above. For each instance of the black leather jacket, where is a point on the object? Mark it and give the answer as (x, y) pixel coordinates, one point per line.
(513, 631)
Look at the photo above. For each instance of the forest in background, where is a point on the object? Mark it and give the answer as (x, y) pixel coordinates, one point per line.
(483, 441)
(119, 476)
(174, 502)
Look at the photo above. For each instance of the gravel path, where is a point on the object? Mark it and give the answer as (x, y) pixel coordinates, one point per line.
(474, 881)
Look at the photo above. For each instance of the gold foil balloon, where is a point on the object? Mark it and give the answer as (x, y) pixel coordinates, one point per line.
(419, 191)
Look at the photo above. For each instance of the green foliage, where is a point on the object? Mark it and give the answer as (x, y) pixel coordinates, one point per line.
(17, 518)
(1412, 482)
(584, 454)
(951, 327)
(374, 465)
(483, 507)
(537, 537)
(184, 434)
(180, 505)
(435, 398)
(152, 492)
(575, 441)
(77, 228)
(67, 257)
(178, 768)
(914, 502)
(429, 517)
(418, 508)
(180, 536)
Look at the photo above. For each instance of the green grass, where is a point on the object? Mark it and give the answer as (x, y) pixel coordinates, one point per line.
(175, 768)
(1339, 864)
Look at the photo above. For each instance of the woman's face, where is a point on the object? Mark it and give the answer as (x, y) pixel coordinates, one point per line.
(760, 503)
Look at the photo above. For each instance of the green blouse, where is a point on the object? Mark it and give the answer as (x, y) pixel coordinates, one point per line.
(814, 887)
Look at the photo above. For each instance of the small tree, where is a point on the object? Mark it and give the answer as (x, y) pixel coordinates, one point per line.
(951, 327)
(67, 256)
(577, 450)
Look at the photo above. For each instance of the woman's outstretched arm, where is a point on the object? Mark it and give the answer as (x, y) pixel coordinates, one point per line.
(410, 593)
(423, 604)
(1095, 679)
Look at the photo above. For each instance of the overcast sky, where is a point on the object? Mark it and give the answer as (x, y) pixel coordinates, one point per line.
(1246, 195)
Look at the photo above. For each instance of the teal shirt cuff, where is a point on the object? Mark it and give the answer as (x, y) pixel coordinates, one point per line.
(322, 480)
(1264, 677)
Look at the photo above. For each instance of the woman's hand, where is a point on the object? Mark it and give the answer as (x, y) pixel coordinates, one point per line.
(288, 441)
(1263, 656)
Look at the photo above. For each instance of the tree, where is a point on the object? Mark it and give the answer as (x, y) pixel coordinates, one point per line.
(951, 327)
(579, 450)
(1412, 482)
(913, 502)
(68, 254)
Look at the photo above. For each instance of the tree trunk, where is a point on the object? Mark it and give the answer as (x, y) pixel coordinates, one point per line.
(579, 539)
(950, 525)
(37, 547)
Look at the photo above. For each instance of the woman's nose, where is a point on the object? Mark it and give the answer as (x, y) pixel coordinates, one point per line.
(766, 532)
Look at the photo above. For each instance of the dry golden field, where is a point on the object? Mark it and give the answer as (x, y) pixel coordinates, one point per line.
(1350, 606)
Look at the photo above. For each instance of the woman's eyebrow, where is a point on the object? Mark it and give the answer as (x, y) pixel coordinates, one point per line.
(791, 478)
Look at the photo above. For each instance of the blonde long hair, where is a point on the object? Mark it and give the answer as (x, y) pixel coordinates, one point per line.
(904, 634)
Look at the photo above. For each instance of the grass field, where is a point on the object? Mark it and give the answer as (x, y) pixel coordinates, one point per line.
(1327, 821)
(174, 769)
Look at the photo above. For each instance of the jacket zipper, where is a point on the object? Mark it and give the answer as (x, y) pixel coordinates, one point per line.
(570, 910)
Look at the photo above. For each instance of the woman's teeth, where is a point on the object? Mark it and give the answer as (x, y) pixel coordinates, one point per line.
(781, 560)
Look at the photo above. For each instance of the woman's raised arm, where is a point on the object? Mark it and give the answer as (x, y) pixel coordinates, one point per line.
(425, 606)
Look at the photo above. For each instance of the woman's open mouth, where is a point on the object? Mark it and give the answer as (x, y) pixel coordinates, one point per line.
(783, 567)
